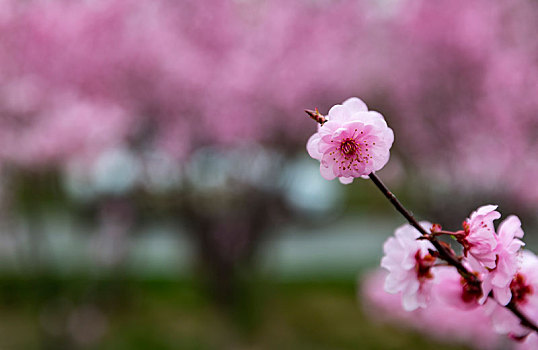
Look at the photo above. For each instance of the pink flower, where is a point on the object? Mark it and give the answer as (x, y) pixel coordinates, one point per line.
(354, 142)
(453, 290)
(530, 342)
(504, 321)
(409, 263)
(437, 320)
(498, 279)
(524, 289)
(480, 240)
(525, 284)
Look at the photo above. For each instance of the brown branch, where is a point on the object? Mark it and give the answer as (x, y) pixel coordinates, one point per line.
(444, 253)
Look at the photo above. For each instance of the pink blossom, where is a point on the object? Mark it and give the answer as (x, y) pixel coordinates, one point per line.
(354, 142)
(438, 319)
(86, 127)
(453, 290)
(458, 91)
(409, 263)
(504, 321)
(528, 271)
(480, 240)
(524, 289)
(498, 279)
(530, 342)
(255, 72)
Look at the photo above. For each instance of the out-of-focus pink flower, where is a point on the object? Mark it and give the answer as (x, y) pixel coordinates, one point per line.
(524, 290)
(480, 240)
(530, 342)
(354, 142)
(459, 91)
(498, 279)
(453, 290)
(504, 321)
(85, 126)
(438, 320)
(409, 263)
(254, 73)
(525, 286)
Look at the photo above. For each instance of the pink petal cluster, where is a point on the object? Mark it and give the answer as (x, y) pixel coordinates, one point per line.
(250, 77)
(409, 263)
(451, 289)
(524, 289)
(438, 319)
(499, 278)
(354, 142)
(528, 270)
(467, 83)
(480, 240)
(439, 294)
(492, 255)
(530, 342)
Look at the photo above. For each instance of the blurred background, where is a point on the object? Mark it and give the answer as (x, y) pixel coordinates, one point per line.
(155, 190)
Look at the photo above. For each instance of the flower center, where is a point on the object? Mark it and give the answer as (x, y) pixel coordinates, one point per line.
(471, 291)
(520, 290)
(423, 266)
(348, 147)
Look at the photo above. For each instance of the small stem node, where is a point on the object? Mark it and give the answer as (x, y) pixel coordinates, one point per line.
(315, 115)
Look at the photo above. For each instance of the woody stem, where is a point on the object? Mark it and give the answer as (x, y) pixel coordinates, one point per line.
(444, 253)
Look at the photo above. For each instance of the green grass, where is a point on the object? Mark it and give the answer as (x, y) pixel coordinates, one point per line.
(178, 315)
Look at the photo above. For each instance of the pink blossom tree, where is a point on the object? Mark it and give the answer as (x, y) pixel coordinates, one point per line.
(463, 85)
(79, 79)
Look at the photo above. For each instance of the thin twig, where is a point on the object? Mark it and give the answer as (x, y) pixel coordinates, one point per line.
(448, 233)
(444, 253)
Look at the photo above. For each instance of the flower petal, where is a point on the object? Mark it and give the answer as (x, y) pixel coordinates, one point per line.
(354, 104)
(312, 146)
(326, 172)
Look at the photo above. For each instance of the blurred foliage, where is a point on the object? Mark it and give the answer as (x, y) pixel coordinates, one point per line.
(164, 314)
